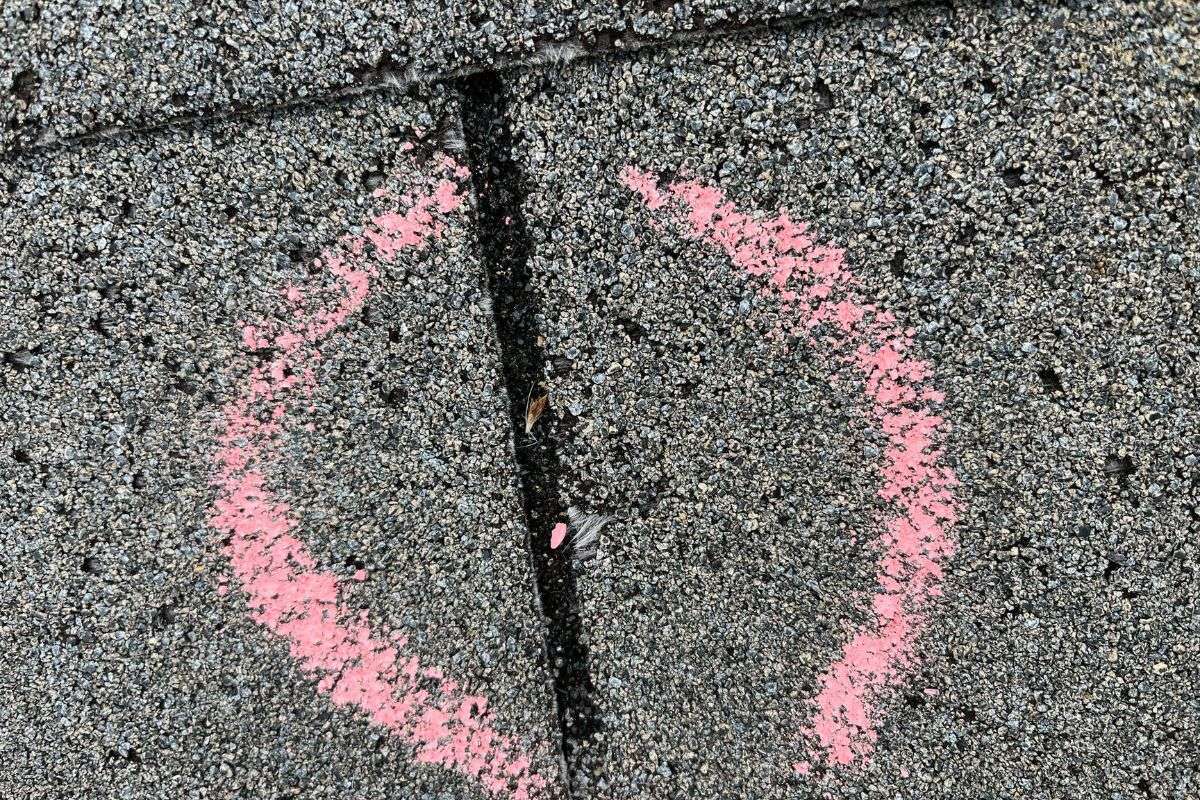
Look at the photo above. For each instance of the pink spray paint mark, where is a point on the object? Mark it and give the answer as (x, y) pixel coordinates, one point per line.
(557, 535)
(825, 306)
(357, 665)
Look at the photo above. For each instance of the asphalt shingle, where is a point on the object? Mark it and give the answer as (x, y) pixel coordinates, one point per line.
(1018, 184)
(132, 661)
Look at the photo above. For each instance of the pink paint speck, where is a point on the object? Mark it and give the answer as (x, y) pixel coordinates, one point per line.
(557, 535)
(825, 306)
(287, 592)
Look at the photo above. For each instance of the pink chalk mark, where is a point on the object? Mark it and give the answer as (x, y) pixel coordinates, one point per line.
(557, 535)
(826, 307)
(287, 593)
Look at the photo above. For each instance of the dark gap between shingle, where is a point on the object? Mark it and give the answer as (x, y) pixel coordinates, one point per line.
(505, 248)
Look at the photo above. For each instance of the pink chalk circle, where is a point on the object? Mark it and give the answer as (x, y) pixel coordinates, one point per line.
(823, 303)
(356, 664)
